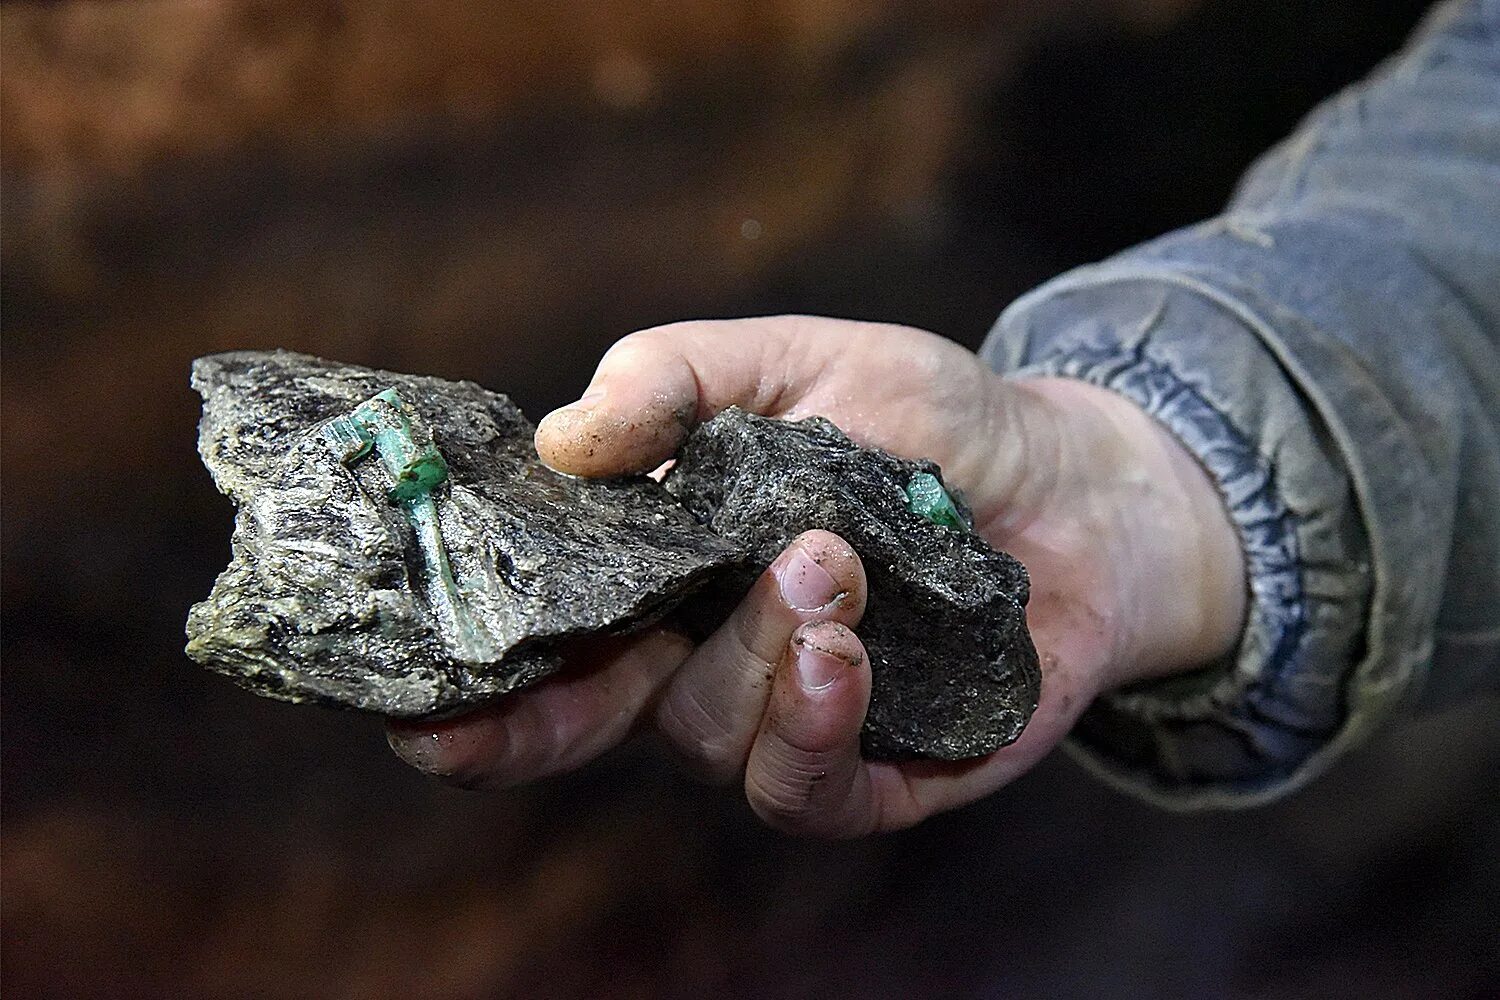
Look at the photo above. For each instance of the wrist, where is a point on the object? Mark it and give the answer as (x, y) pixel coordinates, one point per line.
(1171, 554)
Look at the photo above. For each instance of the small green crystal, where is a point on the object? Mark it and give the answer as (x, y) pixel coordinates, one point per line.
(926, 497)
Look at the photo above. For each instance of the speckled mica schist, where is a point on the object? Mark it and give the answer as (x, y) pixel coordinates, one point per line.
(400, 548)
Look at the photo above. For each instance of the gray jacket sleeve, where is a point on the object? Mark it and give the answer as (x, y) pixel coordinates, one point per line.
(1329, 348)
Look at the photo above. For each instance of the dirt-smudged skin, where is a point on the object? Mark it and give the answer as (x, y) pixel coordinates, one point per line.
(343, 593)
(955, 674)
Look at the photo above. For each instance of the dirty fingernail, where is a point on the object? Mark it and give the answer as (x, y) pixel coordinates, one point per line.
(418, 747)
(444, 750)
(816, 668)
(805, 585)
(570, 417)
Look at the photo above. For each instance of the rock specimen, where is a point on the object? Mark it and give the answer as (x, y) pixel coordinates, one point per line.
(954, 672)
(400, 548)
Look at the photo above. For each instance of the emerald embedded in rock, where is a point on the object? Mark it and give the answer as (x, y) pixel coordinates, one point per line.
(368, 572)
(925, 496)
(384, 422)
(386, 425)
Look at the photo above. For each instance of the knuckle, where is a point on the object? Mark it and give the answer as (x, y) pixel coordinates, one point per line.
(708, 748)
(760, 629)
(521, 746)
(494, 770)
(505, 767)
(786, 801)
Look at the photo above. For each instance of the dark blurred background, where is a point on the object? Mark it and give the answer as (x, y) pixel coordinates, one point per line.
(497, 191)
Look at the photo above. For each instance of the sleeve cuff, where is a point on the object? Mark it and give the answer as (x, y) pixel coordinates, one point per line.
(1256, 725)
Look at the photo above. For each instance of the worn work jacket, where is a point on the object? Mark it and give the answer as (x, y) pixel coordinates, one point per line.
(1329, 348)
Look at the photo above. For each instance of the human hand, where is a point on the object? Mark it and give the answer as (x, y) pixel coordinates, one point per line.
(1135, 569)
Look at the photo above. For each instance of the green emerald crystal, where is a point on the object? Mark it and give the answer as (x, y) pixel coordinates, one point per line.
(385, 425)
(926, 497)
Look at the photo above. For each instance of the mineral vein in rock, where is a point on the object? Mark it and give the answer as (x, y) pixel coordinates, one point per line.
(400, 548)
(386, 425)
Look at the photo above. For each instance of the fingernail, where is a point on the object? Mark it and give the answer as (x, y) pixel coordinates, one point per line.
(421, 748)
(816, 668)
(588, 400)
(806, 586)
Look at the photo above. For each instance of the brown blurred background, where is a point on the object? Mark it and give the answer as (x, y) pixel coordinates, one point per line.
(497, 191)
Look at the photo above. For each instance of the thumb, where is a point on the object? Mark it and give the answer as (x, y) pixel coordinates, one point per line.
(653, 386)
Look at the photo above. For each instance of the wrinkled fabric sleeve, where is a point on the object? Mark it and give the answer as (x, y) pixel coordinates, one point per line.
(1329, 349)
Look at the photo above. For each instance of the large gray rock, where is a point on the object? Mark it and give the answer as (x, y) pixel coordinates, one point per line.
(331, 596)
(400, 548)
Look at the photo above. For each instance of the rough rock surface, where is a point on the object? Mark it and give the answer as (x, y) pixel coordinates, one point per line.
(955, 674)
(328, 598)
(372, 573)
